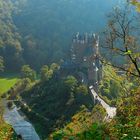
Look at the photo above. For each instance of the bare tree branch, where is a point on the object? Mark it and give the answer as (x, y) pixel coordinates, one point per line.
(118, 38)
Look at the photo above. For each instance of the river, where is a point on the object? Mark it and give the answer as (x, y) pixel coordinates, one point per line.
(22, 127)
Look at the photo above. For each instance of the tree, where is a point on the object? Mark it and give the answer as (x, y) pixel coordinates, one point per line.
(82, 89)
(136, 3)
(54, 67)
(50, 74)
(121, 39)
(71, 82)
(46, 73)
(1, 64)
(10, 40)
(27, 72)
(113, 85)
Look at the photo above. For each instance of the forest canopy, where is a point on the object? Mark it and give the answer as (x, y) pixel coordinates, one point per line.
(40, 32)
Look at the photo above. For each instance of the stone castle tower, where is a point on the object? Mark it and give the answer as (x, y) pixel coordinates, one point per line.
(85, 54)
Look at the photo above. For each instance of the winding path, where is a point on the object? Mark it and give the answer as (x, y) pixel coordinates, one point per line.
(19, 124)
(111, 111)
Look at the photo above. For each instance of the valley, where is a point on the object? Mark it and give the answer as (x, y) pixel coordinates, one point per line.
(69, 70)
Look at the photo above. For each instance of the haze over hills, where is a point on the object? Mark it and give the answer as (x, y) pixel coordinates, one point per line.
(47, 27)
(62, 18)
(51, 24)
(89, 10)
(72, 71)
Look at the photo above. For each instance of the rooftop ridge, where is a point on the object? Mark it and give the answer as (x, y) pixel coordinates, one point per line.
(85, 38)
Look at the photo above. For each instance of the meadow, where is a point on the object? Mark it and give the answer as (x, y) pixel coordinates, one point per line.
(6, 82)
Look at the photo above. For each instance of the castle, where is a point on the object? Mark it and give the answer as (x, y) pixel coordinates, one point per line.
(84, 57)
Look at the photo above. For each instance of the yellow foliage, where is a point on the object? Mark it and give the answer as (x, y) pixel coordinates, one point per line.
(6, 131)
(83, 120)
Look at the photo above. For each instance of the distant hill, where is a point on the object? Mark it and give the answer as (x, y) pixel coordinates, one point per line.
(45, 28)
(50, 24)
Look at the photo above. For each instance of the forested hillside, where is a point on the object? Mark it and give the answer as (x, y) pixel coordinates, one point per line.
(69, 69)
(50, 25)
(45, 29)
(52, 103)
(10, 45)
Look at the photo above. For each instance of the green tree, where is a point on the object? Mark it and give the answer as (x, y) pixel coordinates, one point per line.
(1, 64)
(46, 73)
(50, 74)
(82, 89)
(27, 72)
(10, 40)
(71, 82)
(54, 67)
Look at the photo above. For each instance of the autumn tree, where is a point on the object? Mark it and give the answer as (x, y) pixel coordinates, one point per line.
(121, 38)
(136, 3)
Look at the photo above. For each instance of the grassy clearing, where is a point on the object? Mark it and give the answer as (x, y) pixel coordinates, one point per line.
(6, 82)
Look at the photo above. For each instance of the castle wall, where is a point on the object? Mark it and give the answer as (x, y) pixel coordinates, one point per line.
(85, 53)
(78, 51)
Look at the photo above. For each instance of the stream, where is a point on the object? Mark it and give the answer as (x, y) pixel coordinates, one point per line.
(22, 127)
